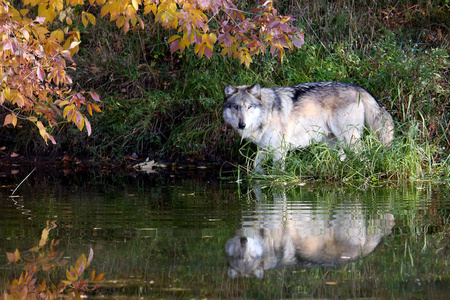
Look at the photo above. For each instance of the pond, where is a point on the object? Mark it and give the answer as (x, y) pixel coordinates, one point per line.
(191, 234)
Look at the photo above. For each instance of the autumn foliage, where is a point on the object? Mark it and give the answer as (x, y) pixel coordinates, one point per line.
(34, 84)
(38, 41)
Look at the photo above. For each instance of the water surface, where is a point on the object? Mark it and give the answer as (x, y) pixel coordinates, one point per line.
(165, 236)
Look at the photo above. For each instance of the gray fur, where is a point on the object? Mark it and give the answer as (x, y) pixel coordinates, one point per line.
(284, 118)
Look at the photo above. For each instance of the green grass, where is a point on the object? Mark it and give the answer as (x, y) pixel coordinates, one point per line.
(409, 157)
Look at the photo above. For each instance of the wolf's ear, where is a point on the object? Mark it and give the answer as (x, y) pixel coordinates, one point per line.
(229, 91)
(254, 90)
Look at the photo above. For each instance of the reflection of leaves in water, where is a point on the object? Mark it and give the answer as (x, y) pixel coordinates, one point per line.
(13, 257)
(44, 257)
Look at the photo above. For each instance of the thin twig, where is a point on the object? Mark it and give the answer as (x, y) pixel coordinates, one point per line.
(22, 182)
(11, 111)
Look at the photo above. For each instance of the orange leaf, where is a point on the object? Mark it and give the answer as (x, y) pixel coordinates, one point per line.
(10, 119)
(13, 257)
(100, 277)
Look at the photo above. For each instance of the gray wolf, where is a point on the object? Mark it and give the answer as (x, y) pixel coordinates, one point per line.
(278, 236)
(284, 118)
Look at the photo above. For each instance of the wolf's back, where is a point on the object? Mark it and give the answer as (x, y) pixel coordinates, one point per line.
(378, 118)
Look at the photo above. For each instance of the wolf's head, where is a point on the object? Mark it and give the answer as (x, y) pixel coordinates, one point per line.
(245, 257)
(242, 108)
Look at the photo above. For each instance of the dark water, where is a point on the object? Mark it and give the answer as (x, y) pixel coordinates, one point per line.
(164, 236)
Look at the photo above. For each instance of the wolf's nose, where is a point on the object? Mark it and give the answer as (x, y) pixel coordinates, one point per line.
(241, 125)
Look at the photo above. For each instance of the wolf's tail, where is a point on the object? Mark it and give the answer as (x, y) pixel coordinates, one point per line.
(379, 119)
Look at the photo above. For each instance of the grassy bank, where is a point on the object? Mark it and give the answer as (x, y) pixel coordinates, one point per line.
(168, 107)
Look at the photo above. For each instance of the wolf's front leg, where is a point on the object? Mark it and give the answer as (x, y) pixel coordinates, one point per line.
(257, 164)
(279, 160)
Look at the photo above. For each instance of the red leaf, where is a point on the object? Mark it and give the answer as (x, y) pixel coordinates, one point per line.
(41, 74)
(208, 52)
(274, 24)
(91, 255)
(95, 96)
(298, 42)
(174, 46)
(88, 126)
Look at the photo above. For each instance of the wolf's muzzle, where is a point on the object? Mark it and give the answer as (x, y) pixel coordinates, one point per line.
(241, 125)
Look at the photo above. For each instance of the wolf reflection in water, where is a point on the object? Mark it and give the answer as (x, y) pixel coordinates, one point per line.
(280, 237)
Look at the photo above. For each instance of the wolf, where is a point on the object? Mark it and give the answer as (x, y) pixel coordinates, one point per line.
(281, 119)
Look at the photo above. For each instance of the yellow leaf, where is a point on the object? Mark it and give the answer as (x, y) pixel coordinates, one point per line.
(58, 35)
(17, 254)
(196, 48)
(135, 4)
(58, 5)
(212, 38)
(130, 11)
(151, 7)
(67, 109)
(32, 119)
(173, 38)
(120, 21)
(66, 282)
(84, 20)
(62, 103)
(44, 235)
(91, 18)
(202, 50)
(105, 10)
(70, 277)
(224, 51)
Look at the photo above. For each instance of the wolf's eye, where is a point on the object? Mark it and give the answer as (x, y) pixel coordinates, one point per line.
(236, 106)
(250, 106)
